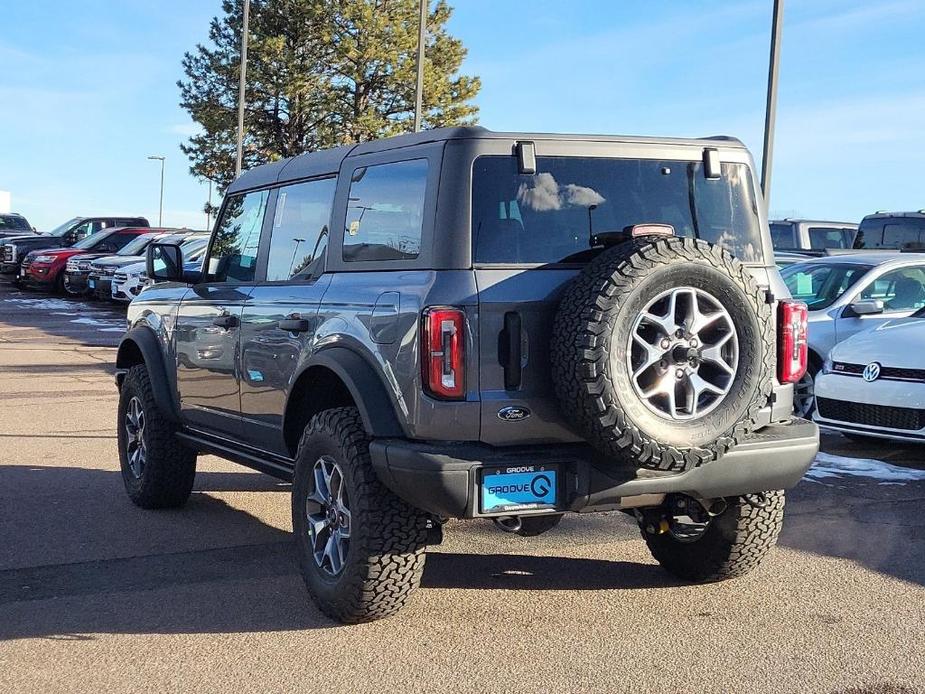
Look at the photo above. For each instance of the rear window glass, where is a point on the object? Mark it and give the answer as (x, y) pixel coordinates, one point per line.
(385, 211)
(821, 238)
(784, 235)
(548, 217)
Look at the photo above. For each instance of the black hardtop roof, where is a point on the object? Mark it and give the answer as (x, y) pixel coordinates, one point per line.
(328, 161)
(881, 215)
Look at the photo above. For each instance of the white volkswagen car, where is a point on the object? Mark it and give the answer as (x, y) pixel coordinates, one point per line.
(873, 384)
(847, 294)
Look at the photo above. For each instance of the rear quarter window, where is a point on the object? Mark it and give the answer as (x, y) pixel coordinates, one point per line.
(385, 211)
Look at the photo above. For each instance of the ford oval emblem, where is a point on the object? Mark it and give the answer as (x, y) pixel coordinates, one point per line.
(513, 414)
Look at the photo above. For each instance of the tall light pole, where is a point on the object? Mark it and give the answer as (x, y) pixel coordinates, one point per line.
(419, 88)
(160, 212)
(244, 31)
(770, 115)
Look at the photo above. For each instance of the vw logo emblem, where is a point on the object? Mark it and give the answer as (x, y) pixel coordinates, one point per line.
(871, 372)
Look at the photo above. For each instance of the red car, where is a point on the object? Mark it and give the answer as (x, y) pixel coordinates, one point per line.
(44, 268)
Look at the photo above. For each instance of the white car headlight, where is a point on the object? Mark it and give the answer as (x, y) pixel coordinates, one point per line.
(43, 259)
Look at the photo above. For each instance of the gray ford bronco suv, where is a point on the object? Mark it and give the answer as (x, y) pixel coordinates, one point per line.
(460, 323)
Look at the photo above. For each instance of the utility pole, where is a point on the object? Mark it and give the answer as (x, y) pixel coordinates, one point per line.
(419, 89)
(160, 213)
(244, 32)
(777, 24)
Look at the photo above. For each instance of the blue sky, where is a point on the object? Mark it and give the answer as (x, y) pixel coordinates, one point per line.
(88, 92)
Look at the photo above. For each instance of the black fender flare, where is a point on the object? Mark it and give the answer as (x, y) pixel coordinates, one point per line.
(163, 383)
(376, 407)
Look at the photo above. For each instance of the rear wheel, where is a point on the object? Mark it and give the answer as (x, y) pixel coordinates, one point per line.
(696, 547)
(360, 547)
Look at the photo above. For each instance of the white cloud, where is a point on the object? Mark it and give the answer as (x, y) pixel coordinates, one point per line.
(185, 129)
(546, 194)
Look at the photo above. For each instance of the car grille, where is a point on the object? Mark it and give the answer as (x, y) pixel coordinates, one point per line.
(120, 277)
(890, 373)
(108, 272)
(871, 415)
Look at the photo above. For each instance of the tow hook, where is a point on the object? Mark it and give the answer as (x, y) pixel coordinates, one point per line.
(509, 524)
(652, 520)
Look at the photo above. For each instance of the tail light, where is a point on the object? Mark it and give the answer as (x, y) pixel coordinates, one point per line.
(792, 349)
(442, 352)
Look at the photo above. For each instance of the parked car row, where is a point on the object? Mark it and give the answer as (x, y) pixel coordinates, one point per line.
(866, 325)
(881, 231)
(102, 257)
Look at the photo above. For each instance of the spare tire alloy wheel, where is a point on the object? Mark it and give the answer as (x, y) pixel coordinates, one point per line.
(683, 353)
(663, 352)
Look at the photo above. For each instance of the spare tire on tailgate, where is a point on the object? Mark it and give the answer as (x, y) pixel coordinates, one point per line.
(663, 352)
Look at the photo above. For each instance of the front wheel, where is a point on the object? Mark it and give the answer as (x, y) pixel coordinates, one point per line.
(157, 469)
(360, 547)
(728, 545)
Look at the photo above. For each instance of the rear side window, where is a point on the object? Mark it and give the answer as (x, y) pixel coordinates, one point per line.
(116, 242)
(548, 217)
(385, 211)
(233, 255)
(904, 234)
(830, 237)
(783, 235)
(300, 230)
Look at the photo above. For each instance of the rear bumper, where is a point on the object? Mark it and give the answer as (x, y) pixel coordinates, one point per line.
(443, 479)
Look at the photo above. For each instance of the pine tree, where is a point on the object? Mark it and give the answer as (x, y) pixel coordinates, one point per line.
(320, 73)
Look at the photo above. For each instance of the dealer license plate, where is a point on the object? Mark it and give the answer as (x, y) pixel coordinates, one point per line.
(520, 488)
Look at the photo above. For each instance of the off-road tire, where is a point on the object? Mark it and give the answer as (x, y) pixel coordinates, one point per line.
(531, 526)
(733, 544)
(385, 556)
(595, 316)
(170, 469)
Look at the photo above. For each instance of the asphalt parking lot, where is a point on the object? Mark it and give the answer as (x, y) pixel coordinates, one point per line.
(98, 595)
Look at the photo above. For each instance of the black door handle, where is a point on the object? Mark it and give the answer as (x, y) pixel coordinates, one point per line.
(510, 350)
(225, 322)
(294, 325)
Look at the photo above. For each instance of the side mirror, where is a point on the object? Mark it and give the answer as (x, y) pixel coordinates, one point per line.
(867, 307)
(164, 262)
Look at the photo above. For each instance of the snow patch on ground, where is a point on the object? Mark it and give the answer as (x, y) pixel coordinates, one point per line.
(828, 466)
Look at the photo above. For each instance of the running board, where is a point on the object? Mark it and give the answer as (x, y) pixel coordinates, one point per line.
(276, 466)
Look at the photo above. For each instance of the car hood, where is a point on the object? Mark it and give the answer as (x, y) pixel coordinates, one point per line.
(16, 233)
(117, 260)
(135, 268)
(895, 343)
(57, 252)
(34, 241)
